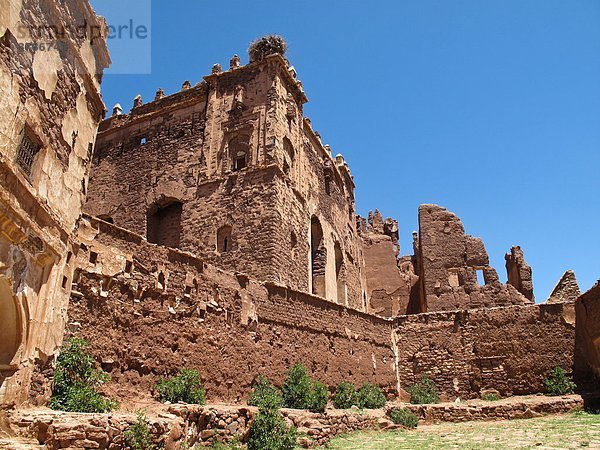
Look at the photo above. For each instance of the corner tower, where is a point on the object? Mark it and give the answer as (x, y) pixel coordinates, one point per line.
(232, 171)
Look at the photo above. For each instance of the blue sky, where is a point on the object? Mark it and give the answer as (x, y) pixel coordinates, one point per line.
(489, 108)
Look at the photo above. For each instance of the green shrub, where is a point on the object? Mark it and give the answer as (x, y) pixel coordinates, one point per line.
(269, 431)
(296, 390)
(185, 387)
(137, 436)
(423, 391)
(263, 389)
(490, 397)
(319, 395)
(76, 380)
(403, 416)
(345, 396)
(559, 383)
(370, 396)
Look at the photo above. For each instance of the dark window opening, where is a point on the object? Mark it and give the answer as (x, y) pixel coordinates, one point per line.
(64, 282)
(239, 162)
(239, 151)
(69, 256)
(224, 241)
(163, 225)
(93, 257)
(27, 151)
(293, 239)
(128, 266)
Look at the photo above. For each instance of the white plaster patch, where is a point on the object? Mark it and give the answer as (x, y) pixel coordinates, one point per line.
(10, 13)
(46, 65)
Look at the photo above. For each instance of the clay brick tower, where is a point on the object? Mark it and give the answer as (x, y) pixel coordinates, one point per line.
(231, 170)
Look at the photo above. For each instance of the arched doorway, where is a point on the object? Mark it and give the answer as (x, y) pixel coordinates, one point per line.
(318, 257)
(340, 275)
(10, 325)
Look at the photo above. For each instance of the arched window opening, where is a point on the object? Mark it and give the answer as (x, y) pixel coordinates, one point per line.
(318, 254)
(239, 151)
(224, 240)
(10, 325)
(164, 225)
(340, 275)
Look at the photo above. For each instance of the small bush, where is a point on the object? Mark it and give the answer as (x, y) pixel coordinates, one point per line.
(559, 383)
(370, 396)
(423, 391)
(76, 381)
(490, 397)
(269, 431)
(319, 395)
(185, 387)
(266, 45)
(345, 396)
(262, 391)
(296, 390)
(403, 416)
(137, 436)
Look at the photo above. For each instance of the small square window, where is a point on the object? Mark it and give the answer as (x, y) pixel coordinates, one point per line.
(28, 150)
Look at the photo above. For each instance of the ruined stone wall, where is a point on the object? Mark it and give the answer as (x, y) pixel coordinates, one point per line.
(392, 282)
(448, 264)
(510, 349)
(50, 107)
(237, 154)
(148, 311)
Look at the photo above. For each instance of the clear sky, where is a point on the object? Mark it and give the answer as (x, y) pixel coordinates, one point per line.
(489, 108)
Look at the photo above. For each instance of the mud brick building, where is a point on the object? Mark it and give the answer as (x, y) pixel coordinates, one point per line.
(50, 107)
(230, 170)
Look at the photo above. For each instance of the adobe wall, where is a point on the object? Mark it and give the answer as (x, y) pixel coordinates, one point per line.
(511, 349)
(143, 325)
(50, 107)
(393, 286)
(587, 364)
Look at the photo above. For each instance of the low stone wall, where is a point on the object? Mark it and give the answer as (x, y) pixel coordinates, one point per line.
(179, 426)
(511, 408)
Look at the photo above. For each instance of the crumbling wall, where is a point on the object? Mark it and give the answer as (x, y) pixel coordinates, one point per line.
(149, 311)
(50, 106)
(392, 282)
(448, 264)
(566, 290)
(519, 272)
(511, 349)
(587, 364)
